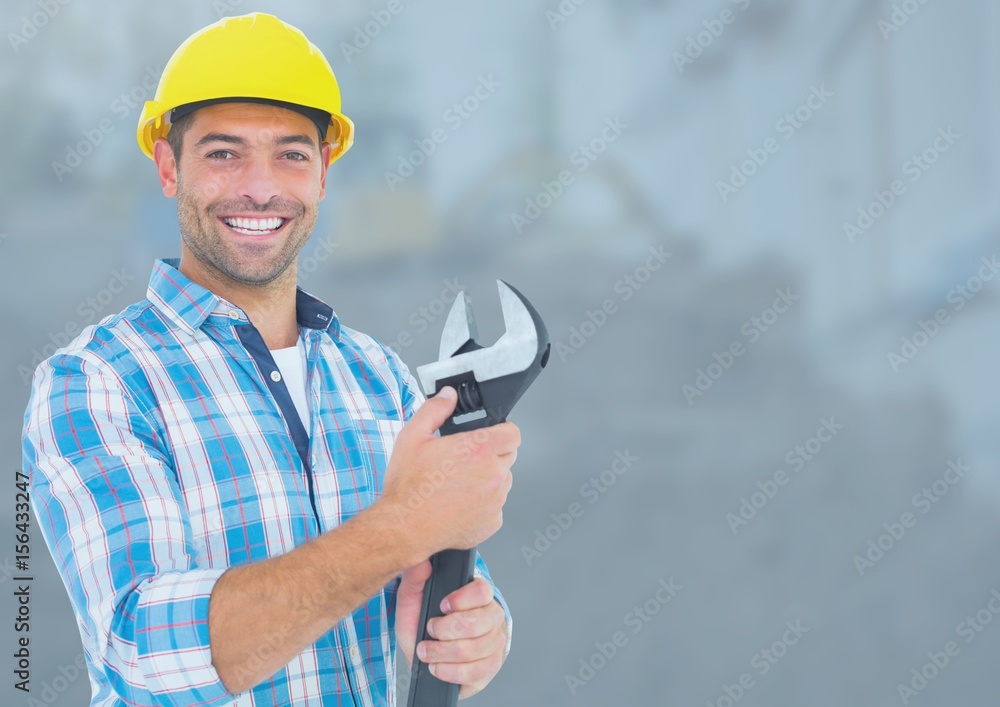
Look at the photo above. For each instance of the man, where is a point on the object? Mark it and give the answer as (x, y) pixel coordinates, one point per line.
(240, 492)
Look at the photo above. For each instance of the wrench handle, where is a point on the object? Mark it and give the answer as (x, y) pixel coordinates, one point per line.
(450, 570)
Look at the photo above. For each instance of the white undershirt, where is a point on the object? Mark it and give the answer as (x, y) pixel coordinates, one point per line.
(292, 364)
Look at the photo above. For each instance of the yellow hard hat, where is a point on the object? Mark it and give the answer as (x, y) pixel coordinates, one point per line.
(250, 56)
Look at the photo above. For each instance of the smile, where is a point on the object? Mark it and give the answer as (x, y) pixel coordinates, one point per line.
(254, 226)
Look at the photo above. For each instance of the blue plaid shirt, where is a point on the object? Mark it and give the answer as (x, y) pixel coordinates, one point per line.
(161, 451)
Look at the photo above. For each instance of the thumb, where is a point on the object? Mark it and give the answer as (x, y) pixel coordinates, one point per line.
(415, 577)
(434, 411)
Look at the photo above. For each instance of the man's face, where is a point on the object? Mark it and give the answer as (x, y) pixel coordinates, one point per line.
(248, 187)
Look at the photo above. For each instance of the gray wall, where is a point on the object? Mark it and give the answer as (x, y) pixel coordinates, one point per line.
(879, 94)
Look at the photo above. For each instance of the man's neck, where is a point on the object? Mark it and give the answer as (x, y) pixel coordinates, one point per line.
(271, 308)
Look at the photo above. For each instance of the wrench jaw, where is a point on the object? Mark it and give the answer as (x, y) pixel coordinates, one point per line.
(494, 378)
(459, 328)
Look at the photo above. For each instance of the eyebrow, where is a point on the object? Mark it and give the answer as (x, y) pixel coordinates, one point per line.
(237, 140)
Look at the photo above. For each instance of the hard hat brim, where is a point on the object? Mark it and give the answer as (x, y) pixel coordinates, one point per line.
(154, 125)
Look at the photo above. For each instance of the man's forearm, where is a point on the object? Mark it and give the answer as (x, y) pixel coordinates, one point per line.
(263, 614)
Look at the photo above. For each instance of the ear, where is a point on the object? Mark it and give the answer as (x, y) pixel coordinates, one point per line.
(166, 166)
(325, 162)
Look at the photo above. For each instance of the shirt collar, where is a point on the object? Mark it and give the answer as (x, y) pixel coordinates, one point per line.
(189, 304)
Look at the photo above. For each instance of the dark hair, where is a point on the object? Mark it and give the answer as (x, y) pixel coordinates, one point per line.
(175, 136)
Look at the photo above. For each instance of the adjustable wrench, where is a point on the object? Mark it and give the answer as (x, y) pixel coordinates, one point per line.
(491, 380)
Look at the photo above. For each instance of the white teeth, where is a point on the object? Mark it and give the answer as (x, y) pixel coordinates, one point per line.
(253, 225)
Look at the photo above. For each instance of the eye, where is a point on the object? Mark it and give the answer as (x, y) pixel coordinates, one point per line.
(297, 156)
(213, 154)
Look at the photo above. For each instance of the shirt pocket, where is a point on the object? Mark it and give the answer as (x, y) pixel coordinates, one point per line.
(376, 440)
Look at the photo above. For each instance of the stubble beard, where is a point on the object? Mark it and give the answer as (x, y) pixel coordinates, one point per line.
(248, 263)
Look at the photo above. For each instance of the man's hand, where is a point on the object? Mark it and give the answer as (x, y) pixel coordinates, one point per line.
(448, 491)
(469, 640)
(409, 600)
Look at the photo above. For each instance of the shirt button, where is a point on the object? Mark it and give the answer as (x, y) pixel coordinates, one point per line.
(355, 653)
(275, 376)
(233, 314)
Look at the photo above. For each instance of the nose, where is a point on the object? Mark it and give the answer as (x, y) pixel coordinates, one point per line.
(258, 181)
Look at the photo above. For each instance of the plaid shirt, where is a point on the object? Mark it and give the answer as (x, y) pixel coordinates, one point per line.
(161, 451)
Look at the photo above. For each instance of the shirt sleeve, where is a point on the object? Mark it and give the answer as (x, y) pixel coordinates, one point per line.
(412, 397)
(110, 510)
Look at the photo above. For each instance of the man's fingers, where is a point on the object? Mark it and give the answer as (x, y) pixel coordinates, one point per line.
(474, 675)
(499, 439)
(465, 650)
(473, 595)
(471, 623)
(415, 577)
(505, 437)
(432, 413)
(509, 458)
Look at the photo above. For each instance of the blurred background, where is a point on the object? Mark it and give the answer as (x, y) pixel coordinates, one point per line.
(763, 235)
